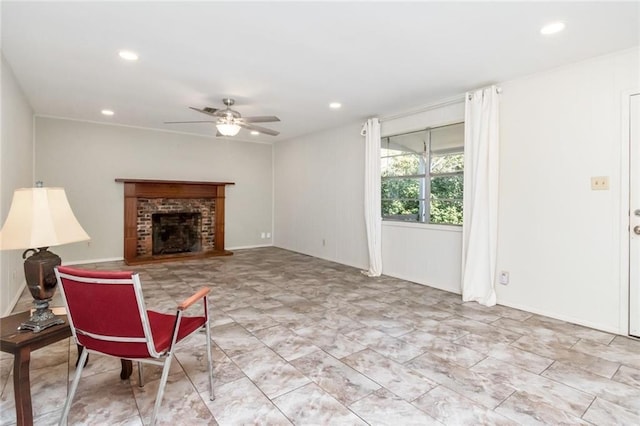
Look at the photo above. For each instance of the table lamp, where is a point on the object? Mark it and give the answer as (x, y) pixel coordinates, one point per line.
(39, 218)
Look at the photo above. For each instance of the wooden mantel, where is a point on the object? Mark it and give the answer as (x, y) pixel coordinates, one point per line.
(172, 189)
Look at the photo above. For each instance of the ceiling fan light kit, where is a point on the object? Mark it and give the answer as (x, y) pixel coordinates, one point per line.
(229, 122)
(227, 129)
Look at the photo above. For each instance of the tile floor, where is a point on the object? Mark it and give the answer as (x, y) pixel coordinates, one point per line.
(299, 340)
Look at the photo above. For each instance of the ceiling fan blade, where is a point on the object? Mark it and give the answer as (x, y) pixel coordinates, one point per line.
(206, 110)
(259, 129)
(180, 122)
(261, 119)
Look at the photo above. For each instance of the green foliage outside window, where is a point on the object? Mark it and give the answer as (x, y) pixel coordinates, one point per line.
(401, 196)
(405, 184)
(446, 191)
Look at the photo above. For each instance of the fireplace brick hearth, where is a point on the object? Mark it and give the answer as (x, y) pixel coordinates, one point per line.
(143, 198)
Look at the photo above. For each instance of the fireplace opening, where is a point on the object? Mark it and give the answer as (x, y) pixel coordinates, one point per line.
(176, 233)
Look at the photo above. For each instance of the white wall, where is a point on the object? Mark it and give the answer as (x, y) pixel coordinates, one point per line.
(561, 241)
(319, 195)
(16, 171)
(86, 158)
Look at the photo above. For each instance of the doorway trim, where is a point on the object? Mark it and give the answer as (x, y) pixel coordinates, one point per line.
(625, 222)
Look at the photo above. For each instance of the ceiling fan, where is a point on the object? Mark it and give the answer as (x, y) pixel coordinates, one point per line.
(228, 121)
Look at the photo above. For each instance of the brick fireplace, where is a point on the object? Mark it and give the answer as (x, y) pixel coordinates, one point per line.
(177, 232)
(168, 220)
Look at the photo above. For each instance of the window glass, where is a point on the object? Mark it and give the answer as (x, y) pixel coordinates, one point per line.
(402, 165)
(422, 175)
(447, 163)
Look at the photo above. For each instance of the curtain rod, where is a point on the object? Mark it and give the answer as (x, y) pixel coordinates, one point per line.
(447, 102)
(451, 101)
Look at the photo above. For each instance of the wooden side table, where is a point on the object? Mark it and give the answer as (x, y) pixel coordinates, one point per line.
(20, 344)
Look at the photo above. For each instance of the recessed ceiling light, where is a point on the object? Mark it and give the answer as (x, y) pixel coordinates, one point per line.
(128, 55)
(335, 105)
(552, 28)
(255, 133)
(107, 112)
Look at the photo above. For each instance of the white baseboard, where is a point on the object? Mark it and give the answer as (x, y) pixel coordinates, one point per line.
(413, 280)
(341, 262)
(248, 247)
(560, 317)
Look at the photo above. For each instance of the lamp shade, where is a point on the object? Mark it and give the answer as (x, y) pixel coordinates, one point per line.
(227, 128)
(40, 217)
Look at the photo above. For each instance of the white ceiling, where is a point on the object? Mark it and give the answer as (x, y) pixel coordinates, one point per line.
(288, 59)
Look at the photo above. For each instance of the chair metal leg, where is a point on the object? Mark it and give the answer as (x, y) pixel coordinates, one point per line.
(140, 375)
(74, 386)
(209, 363)
(163, 383)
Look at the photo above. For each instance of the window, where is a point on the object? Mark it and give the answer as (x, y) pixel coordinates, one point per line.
(422, 175)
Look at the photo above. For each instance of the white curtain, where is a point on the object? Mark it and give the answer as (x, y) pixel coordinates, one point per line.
(372, 214)
(480, 217)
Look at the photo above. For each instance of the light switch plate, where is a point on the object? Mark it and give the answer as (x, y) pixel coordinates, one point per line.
(599, 183)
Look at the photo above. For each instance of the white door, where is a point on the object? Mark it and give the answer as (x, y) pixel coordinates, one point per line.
(634, 220)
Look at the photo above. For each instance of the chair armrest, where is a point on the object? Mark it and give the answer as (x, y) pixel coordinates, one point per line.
(194, 298)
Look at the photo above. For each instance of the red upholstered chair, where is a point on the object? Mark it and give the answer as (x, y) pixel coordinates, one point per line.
(108, 316)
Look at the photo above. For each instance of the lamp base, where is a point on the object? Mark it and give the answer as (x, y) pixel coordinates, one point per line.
(41, 280)
(41, 318)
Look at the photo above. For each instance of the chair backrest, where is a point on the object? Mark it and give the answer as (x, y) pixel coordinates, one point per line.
(106, 311)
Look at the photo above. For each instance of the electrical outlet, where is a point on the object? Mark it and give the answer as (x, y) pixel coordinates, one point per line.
(504, 277)
(263, 235)
(599, 183)
(268, 234)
